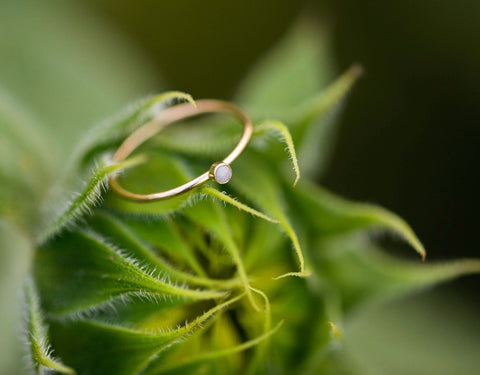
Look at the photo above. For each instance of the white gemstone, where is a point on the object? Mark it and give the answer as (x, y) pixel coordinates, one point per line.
(222, 173)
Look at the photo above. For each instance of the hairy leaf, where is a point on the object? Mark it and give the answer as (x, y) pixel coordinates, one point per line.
(276, 126)
(98, 272)
(367, 274)
(108, 134)
(120, 236)
(160, 172)
(85, 200)
(116, 277)
(260, 185)
(164, 234)
(193, 362)
(235, 203)
(209, 215)
(40, 351)
(330, 214)
(103, 348)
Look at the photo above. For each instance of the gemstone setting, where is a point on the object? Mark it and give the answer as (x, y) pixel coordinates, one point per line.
(221, 172)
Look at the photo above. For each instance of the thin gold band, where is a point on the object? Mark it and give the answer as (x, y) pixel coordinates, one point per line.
(167, 117)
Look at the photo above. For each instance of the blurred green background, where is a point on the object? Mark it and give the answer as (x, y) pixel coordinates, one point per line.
(409, 138)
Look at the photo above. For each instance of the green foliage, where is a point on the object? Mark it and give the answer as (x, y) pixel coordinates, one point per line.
(38, 341)
(244, 280)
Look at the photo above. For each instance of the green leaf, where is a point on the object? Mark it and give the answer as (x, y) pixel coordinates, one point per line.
(318, 105)
(98, 272)
(261, 351)
(213, 137)
(292, 72)
(102, 348)
(289, 85)
(313, 122)
(108, 134)
(160, 172)
(192, 362)
(85, 200)
(164, 234)
(256, 180)
(276, 126)
(122, 237)
(330, 214)
(96, 149)
(40, 351)
(146, 314)
(262, 248)
(214, 193)
(361, 273)
(210, 215)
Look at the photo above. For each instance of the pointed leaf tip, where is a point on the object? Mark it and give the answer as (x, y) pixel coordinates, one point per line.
(331, 214)
(356, 70)
(38, 340)
(273, 125)
(214, 193)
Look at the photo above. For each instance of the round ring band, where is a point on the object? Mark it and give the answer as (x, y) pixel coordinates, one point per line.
(220, 171)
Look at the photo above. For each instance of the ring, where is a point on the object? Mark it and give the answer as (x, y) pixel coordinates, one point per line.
(220, 171)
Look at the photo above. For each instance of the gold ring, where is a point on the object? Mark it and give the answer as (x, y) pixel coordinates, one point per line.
(220, 171)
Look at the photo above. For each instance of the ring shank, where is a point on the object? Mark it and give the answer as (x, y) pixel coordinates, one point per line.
(165, 118)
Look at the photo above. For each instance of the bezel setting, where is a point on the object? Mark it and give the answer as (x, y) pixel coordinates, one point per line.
(221, 172)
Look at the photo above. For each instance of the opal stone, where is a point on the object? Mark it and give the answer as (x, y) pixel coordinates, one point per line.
(222, 173)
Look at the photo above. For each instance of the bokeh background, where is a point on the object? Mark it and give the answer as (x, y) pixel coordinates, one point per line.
(408, 139)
